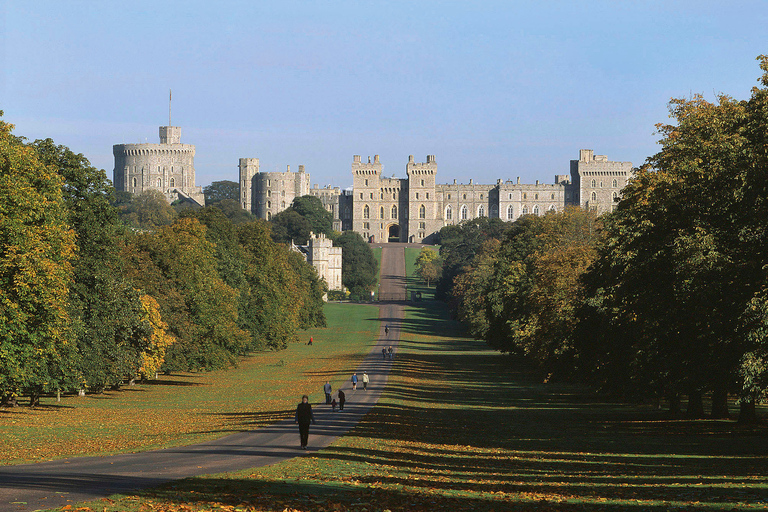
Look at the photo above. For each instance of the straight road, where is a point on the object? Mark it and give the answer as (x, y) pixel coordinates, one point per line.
(64, 482)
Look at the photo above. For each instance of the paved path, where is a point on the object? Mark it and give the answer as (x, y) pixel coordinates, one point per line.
(54, 484)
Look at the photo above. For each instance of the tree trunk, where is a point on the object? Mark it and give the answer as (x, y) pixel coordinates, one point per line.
(34, 399)
(675, 409)
(695, 405)
(720, 403)
(747, 412)
(9, 401)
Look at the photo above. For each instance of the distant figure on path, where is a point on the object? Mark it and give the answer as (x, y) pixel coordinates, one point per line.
(304, 417)
(310, 340)
(391, 354)
(328, 390)
(365, 381)
(342, 399)
(354, 381)
(386, 329)
(333, 405)
(384, 353)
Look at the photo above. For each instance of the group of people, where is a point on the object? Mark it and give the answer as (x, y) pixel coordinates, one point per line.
(304, 415)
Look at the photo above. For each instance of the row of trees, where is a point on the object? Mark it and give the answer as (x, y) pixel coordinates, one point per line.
(88, 301)
(665, 297)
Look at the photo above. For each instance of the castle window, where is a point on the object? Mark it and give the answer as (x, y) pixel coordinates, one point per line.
(465, 196)
(282, 205)
(361, 195)
(510, 213)
(269, 204)
(282, 193)
(366, 225)
(615, 184)
(481, 196)
(417, 195)
(427, 195)
(535, 196)
(394, 196)
(269, 215)
(494, 211)
(160, 182)
(448, 212)
(366, 183)
(552, 208)
(382, 212)
(594, 196)
(422, 225)
(594, 183)
(510, 196)
(347, 213)
(525, 210)
(615, 196)
(134, 182)
(422, 212)
(449, 196)
(269, 193)
(601, 184)
(268, 182)
(366, 212)
(464, 212)
(525, 196)
(422, 183)
(394, 212)
(371, 194)
(481, 211)
(173, 182)
(552, 196)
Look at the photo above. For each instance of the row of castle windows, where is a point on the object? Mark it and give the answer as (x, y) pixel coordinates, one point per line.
(615, 196)
(614, 184)
(171, 182)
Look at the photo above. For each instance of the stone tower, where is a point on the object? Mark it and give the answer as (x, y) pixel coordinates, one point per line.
(423, 216)
(168, 167)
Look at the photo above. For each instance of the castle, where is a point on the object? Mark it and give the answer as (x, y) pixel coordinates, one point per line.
(321, 254)
(168, 167)
(415, 208)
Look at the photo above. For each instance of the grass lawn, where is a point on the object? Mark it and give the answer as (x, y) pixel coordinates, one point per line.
(462, 428)
(185, 408)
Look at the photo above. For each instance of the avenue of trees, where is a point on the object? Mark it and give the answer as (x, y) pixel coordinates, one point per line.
(666, 297)
(98, 288)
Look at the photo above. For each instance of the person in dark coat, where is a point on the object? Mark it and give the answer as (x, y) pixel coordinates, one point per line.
(304, 417)
(342, 399)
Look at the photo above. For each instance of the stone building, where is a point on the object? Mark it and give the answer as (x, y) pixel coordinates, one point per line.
(324, 257)
(265, 194)
(168, 167)
(415, 208)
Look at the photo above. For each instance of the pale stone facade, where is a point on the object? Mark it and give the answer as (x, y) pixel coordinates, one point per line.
(168, 167)
(415, 208)
(266, 194)
(324, 257)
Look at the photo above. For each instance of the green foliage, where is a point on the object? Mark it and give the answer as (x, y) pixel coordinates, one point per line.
(428, 265)
(219, 191)
(359, 269)
(234, 212)
(459, 243)
(149, 210)
(306, 214)
(37, 247)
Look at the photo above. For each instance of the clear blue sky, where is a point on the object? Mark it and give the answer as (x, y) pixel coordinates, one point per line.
(494, 89)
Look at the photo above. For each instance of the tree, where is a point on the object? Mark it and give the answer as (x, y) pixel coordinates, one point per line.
(359, 268)
(218, 191)
(428, 265)
(290, 226)
(312, 209)
(234, 212)
(149, 210)
(36, 249)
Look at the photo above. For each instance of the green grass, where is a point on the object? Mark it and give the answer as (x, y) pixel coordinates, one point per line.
(462, 428)
(185, 408)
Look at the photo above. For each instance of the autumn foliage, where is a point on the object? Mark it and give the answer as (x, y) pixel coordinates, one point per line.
(88, 302)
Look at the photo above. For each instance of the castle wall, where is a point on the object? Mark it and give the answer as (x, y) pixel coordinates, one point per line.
(598, 181)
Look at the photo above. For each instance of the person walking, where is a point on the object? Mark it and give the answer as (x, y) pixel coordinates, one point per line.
(328, 390)
(304, 417)
(354, 381)
(386, 330)
(342, 399)
(365, 381)
(384, 353)
(391, 354)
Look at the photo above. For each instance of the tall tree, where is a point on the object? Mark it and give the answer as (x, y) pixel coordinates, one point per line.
(36, 249)
(359, 268)
(218, 191)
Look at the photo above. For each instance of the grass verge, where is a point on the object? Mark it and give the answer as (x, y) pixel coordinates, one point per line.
(461, 428)
(186, 408)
